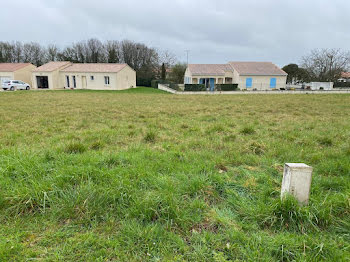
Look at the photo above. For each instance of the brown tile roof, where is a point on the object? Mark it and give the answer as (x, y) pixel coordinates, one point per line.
(95, 68)
(209, 69)
(257, 68)
(11, 67)
(345, 74)
(51, 66)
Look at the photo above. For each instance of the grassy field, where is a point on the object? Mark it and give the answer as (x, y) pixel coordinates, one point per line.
(142, 175)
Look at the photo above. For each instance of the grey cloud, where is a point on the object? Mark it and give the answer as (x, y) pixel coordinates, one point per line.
(213, 31)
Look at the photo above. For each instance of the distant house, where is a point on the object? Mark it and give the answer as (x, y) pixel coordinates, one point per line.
(345, 77)
(248, 75)
(16, 71)
(61, 75)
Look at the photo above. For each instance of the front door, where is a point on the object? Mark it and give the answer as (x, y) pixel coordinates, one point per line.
(83, 82)
(212, 84)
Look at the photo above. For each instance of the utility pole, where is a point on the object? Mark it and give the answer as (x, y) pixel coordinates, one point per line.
(187, 51)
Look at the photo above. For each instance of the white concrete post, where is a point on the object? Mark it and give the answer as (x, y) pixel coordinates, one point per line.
(297, 181)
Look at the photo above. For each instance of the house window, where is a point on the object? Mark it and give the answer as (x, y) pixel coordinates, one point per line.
(74, 82)
(67, 81)
(273, 82)
(249, 82)
(228, 80)
(92, 78)
(106, 80)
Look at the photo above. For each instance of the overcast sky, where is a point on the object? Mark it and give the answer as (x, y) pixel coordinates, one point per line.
(215, 31)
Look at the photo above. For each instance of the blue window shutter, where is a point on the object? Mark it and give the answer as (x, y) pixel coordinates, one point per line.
(273, 82)
(249, 82)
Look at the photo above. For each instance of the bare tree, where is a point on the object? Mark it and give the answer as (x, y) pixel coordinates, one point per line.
(80, 51)
(67, 54)
(326, 65)
(142, 58)
(52, 53)
(7, 52)
(33, 53)
(166, 57)
(95, 51)
(17, 52)
(113, 51)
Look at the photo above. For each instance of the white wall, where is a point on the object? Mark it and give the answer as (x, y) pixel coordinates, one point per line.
(98, 81)
(124, 79)
(262, 82)
(320, 85)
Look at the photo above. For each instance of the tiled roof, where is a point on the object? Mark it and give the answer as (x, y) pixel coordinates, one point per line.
(11, 67)
(51, 66)
(209, 69)
(257, 68)
(95, 68)
(345, 75)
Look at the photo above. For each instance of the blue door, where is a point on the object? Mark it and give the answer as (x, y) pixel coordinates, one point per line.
(212, 84)
(273, 82)
(249, 82)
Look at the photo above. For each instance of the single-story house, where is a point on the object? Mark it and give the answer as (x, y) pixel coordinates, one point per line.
(248, 75)
(105, 76)
(16, 71)
(345, 77)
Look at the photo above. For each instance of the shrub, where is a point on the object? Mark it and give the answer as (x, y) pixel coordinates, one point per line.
(195, 87)
(175, 87)
(226, 87)
(143, 81)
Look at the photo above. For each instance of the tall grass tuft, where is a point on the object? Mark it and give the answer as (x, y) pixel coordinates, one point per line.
(150, 137)
(75, 148)
(247, 130)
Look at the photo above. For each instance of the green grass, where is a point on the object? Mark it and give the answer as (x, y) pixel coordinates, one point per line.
(142, 175)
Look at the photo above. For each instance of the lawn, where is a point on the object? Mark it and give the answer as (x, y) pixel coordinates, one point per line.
(143, 175)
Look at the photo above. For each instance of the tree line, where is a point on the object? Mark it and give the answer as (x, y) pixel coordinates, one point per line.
(320, 65)
(147, 61)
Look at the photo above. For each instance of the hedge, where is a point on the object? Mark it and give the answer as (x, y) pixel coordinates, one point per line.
(195, 87)
(226, 87)
(342, 84)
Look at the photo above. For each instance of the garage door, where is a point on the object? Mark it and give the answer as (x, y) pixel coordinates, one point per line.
(4, 78)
